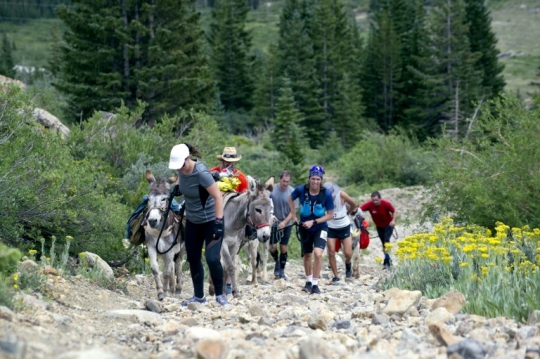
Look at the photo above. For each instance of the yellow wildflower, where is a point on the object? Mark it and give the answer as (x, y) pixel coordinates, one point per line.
(32, 252)
(16, 286)
(379, 260)
(15, 277)
(463, 264)
(485, 255)
(69, 238)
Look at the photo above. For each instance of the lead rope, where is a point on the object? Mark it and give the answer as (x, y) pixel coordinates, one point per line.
(175, 242)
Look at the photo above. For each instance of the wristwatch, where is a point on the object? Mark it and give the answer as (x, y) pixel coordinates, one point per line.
(314, 222)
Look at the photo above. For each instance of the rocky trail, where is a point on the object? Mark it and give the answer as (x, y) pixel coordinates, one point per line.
(275, 319)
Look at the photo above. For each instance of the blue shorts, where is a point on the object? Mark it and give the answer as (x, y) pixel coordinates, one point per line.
(315, 239)
(339, 233)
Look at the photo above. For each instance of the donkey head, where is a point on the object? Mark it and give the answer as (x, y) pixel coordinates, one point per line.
(158, 200)
(261, 211)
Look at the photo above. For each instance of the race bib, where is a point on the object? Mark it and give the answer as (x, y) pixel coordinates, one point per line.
(324, 234)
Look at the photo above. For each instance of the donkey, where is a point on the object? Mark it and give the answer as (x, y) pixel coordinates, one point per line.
(170, 244)
(355, 234)
(253, 208)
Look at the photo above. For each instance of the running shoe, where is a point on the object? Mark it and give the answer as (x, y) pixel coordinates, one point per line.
(348, 270)
(335, 280)
(315, 290)
(193, 300)
(307, 287)
(277, 269)
(222, 299)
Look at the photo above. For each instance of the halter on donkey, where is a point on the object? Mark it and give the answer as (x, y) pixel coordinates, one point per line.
(163, 237)
(253, 208)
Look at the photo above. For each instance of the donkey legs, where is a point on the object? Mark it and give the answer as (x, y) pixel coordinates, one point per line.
(152, 255)
(229, 257)
(251, 251)
(178, 259)
(356, 259)
(264, 260)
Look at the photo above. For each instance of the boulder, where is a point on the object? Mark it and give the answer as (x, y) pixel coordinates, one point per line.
(50, 122)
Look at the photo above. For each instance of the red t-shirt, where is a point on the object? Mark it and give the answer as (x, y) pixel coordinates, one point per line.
(243, 186)
(381, 214)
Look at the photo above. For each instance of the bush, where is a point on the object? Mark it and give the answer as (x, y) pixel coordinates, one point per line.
(47, 192)
(378, 158)
(493, 174)
(8, 260)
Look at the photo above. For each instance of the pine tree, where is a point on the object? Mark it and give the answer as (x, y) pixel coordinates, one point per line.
(483, 41)
(6, 58)
(382, 71)
(453, 65)
(91, 76)
(169, 65)
(332, 46)
(230, 60)
(297, 62)
(286, 114)
(294, 153)
(348, 120)
(421, 90)
(267, 86)
(116, 52)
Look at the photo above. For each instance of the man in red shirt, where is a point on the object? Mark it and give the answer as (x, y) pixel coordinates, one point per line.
(383, 215)
(228, 159)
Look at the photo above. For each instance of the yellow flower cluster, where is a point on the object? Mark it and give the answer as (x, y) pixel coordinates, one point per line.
(474, 247)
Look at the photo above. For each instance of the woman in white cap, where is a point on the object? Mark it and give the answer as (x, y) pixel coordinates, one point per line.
(204, 225)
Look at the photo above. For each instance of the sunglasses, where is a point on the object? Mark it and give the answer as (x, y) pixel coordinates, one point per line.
(229, 156)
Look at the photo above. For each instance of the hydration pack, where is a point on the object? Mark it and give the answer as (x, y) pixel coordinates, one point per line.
(317, 208)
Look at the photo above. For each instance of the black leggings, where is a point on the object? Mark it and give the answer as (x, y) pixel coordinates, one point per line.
(198, 234)
(385, 234)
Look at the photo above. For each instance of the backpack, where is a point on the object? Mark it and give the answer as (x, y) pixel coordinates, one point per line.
(317, 208)
(136, 229)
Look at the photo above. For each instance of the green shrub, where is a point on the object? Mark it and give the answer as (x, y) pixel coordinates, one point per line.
(394, 159)
(492, 175)
(47, 192)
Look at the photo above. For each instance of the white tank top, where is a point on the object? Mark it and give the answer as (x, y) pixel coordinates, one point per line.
(341, 219)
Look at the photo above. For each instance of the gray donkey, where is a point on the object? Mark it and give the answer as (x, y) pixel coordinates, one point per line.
(170, 244)
(254, 208)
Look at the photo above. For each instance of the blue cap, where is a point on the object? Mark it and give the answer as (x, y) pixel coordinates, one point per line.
(316, 171)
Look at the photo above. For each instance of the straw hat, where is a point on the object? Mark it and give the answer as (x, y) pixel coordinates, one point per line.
(229, 155)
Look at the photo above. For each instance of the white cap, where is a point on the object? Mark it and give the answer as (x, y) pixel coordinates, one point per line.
(179, 153)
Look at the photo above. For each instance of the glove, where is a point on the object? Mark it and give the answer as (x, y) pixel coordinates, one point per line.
(176, 191)
(219, 229)
(215, 175)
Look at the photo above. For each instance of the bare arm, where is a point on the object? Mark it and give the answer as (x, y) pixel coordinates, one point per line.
(393, 221)
(214, 191)
(353, 207)
(292, 211)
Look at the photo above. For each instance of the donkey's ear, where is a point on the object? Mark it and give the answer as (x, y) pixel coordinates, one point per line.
(150, 177)
(270, 182)
(173, 179)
